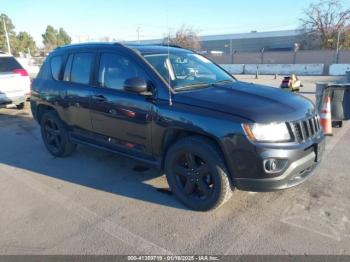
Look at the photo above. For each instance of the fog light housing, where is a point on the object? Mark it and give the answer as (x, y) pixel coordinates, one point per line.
(274, 165)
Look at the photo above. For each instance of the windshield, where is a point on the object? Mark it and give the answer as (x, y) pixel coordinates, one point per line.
(188, 70)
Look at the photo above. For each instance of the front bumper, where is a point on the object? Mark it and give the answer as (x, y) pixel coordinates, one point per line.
(296, 174)
(300, 162)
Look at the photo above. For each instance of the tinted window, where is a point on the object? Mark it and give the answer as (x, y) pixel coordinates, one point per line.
(8, 64)
(115, 69)
(81, 68)
(68, 69)
(56, 65)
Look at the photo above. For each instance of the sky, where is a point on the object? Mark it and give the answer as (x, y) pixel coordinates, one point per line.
(121, 19)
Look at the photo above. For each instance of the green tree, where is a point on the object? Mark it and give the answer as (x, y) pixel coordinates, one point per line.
(10, 30)
(24, 42)
(63, 38)
(53, 38)
(50, 38)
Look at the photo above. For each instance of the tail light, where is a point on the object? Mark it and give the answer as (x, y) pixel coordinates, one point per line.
(21, 72)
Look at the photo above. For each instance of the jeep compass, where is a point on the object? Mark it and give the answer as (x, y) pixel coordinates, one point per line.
(177, 110)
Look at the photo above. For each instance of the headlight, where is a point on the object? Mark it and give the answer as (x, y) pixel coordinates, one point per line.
(275, 132)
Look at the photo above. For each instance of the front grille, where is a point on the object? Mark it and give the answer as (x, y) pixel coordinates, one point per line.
(306, 128)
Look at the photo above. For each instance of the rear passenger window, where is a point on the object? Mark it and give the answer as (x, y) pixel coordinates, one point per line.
(115, 69)
(56, 65)
(81, 68)
(45, 71)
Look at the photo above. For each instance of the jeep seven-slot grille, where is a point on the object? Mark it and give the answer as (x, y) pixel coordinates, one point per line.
(306, 128)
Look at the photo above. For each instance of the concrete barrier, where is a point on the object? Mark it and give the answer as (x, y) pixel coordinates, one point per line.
(234, 68)
(285, 69)
(271, 69)
(339, 69)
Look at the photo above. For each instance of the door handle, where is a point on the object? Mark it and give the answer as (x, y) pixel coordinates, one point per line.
(99, 98)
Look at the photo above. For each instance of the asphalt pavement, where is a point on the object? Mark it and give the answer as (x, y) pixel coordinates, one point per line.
(95, 202)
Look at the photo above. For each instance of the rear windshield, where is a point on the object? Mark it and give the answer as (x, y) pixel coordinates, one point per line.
(8, 64)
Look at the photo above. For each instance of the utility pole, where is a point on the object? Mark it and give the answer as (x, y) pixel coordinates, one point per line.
(338, 44)
(296, 49)
(231, 51)
(138, 29)
(7, 37)
(262, 55)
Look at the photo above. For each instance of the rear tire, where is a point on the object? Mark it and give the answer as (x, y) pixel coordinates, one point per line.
(197, 175)
(55, 135)
(338, 124)
(20, 106)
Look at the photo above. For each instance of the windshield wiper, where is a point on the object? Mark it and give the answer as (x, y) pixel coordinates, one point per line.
(202, 85)
(223, 82)
(192, 86)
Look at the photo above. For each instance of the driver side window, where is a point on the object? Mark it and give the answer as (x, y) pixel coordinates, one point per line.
(115, 69)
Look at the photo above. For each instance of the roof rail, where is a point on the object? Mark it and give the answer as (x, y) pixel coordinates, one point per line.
(159, 44)
(119, 44)
(171, 45)
(89, 43)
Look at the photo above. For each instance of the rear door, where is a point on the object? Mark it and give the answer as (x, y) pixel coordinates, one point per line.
(14, 80)
(78, 78)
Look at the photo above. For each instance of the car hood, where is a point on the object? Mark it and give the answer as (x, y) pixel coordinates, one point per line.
(261, 104)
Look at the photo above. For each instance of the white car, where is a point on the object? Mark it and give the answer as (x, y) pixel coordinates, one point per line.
(14, 82)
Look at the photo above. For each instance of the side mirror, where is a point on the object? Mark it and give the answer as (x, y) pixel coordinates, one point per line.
(135, 85)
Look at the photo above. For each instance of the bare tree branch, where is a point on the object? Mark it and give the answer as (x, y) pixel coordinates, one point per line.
(185, 37)
(324, 19)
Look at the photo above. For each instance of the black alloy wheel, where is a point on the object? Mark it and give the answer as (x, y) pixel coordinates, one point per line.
(196, 173)
(55, 135)
(193, 176)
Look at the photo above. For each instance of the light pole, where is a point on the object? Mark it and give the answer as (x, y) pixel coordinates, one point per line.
(7, 37)
(338, 46)
(296, 49)
(231, 51)
(262, 55)
(138, 34)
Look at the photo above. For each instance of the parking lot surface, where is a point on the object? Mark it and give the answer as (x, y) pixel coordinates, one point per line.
(98, 203)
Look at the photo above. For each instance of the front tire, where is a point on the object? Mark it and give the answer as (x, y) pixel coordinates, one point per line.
(197, 175)
(55, 135)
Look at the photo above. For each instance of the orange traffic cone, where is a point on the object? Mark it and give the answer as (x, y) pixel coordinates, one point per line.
(326, 117)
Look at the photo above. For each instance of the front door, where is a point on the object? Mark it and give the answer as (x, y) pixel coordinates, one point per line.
(120, 119)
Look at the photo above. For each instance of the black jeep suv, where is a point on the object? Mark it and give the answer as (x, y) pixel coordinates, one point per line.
(174, 108)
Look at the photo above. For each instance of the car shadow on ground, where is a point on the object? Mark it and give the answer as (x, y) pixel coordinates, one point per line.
(23, 148)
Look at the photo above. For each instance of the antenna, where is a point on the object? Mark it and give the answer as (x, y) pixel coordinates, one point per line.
(169, 68)
(168, 62)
